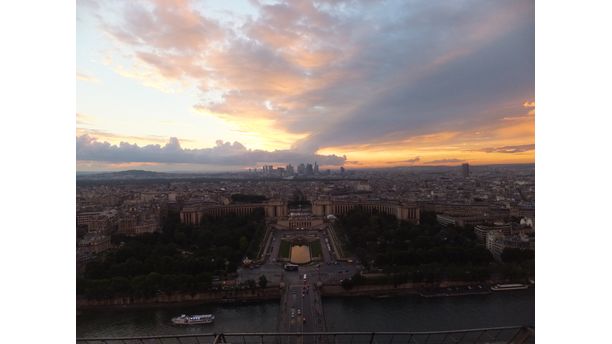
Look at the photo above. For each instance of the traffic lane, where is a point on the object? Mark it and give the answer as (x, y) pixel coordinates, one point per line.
(296, 304)
(324, 249)
(309, 313)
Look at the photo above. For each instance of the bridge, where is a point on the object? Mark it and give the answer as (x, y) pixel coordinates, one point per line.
(301, 310)
(509, 335)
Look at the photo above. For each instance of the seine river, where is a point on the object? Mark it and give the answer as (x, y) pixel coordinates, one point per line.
(405, 313)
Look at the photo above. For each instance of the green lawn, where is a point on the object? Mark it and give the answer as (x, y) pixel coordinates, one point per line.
(315, 249)
(285, 249)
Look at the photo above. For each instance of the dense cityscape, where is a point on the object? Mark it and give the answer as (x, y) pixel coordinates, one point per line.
(155, 238)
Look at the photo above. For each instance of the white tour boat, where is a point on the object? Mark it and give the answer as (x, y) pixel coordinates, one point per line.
(193, 319)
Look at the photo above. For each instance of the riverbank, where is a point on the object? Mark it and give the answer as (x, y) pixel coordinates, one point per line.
(211, 297)
(387, 290)
(455, 289)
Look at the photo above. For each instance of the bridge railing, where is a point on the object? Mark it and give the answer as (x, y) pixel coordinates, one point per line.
(513, 335)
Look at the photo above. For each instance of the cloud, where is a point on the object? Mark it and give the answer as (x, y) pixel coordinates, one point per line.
(410, 161)
(341, 73)
(88, 148)
(85, 77)
(83, 119)
(510, 149)
(529, 104)
(110, 137)
(445, 161)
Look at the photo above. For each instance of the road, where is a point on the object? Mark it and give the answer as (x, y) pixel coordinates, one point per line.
(301, 309)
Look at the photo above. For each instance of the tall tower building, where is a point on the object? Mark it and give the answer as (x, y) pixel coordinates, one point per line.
(309, 169)
(316, 168)
(465, 170)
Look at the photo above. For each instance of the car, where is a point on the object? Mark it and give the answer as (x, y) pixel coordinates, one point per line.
(299, 311)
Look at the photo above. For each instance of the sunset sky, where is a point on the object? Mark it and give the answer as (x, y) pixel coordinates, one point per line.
(172, 85)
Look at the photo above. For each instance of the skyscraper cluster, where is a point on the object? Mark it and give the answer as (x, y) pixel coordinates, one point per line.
(303, 169)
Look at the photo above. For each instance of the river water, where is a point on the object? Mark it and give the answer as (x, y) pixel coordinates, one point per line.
(405, 313)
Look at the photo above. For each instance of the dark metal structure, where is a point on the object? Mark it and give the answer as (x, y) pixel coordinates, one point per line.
(500, 335)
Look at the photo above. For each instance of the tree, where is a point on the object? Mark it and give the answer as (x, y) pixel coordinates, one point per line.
(181, 259)
(244, 243)
(514, 255)
(263, 281)
(251, 284)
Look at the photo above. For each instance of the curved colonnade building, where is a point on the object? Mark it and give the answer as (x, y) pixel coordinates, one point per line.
(193, 214)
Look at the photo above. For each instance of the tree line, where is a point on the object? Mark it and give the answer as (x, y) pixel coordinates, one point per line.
(427, 252)
(182, 258)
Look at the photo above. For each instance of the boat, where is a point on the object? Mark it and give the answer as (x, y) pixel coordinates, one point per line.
(193, 319)
(513, 286)
(473, 289)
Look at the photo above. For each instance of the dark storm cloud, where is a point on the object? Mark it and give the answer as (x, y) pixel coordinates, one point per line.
(224, 153)
(461, 69)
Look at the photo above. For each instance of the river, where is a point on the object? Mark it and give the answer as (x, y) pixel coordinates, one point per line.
(405, 313)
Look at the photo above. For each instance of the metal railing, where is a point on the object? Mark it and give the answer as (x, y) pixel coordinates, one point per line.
(512, 335)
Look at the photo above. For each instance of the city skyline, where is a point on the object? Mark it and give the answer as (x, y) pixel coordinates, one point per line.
(209, 86)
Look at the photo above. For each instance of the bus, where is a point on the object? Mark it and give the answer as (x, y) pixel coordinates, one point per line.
(291, 267)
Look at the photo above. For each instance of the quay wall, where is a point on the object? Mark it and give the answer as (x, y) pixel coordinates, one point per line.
(221, 296)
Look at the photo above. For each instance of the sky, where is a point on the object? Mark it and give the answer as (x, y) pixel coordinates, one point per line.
(172, 85)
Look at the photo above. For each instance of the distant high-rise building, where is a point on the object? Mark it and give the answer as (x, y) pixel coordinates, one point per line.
(341, 170)
(309, 169)
(465, 170)
(301, 168)
(290, 170)
(267, 169)
(316, 168)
